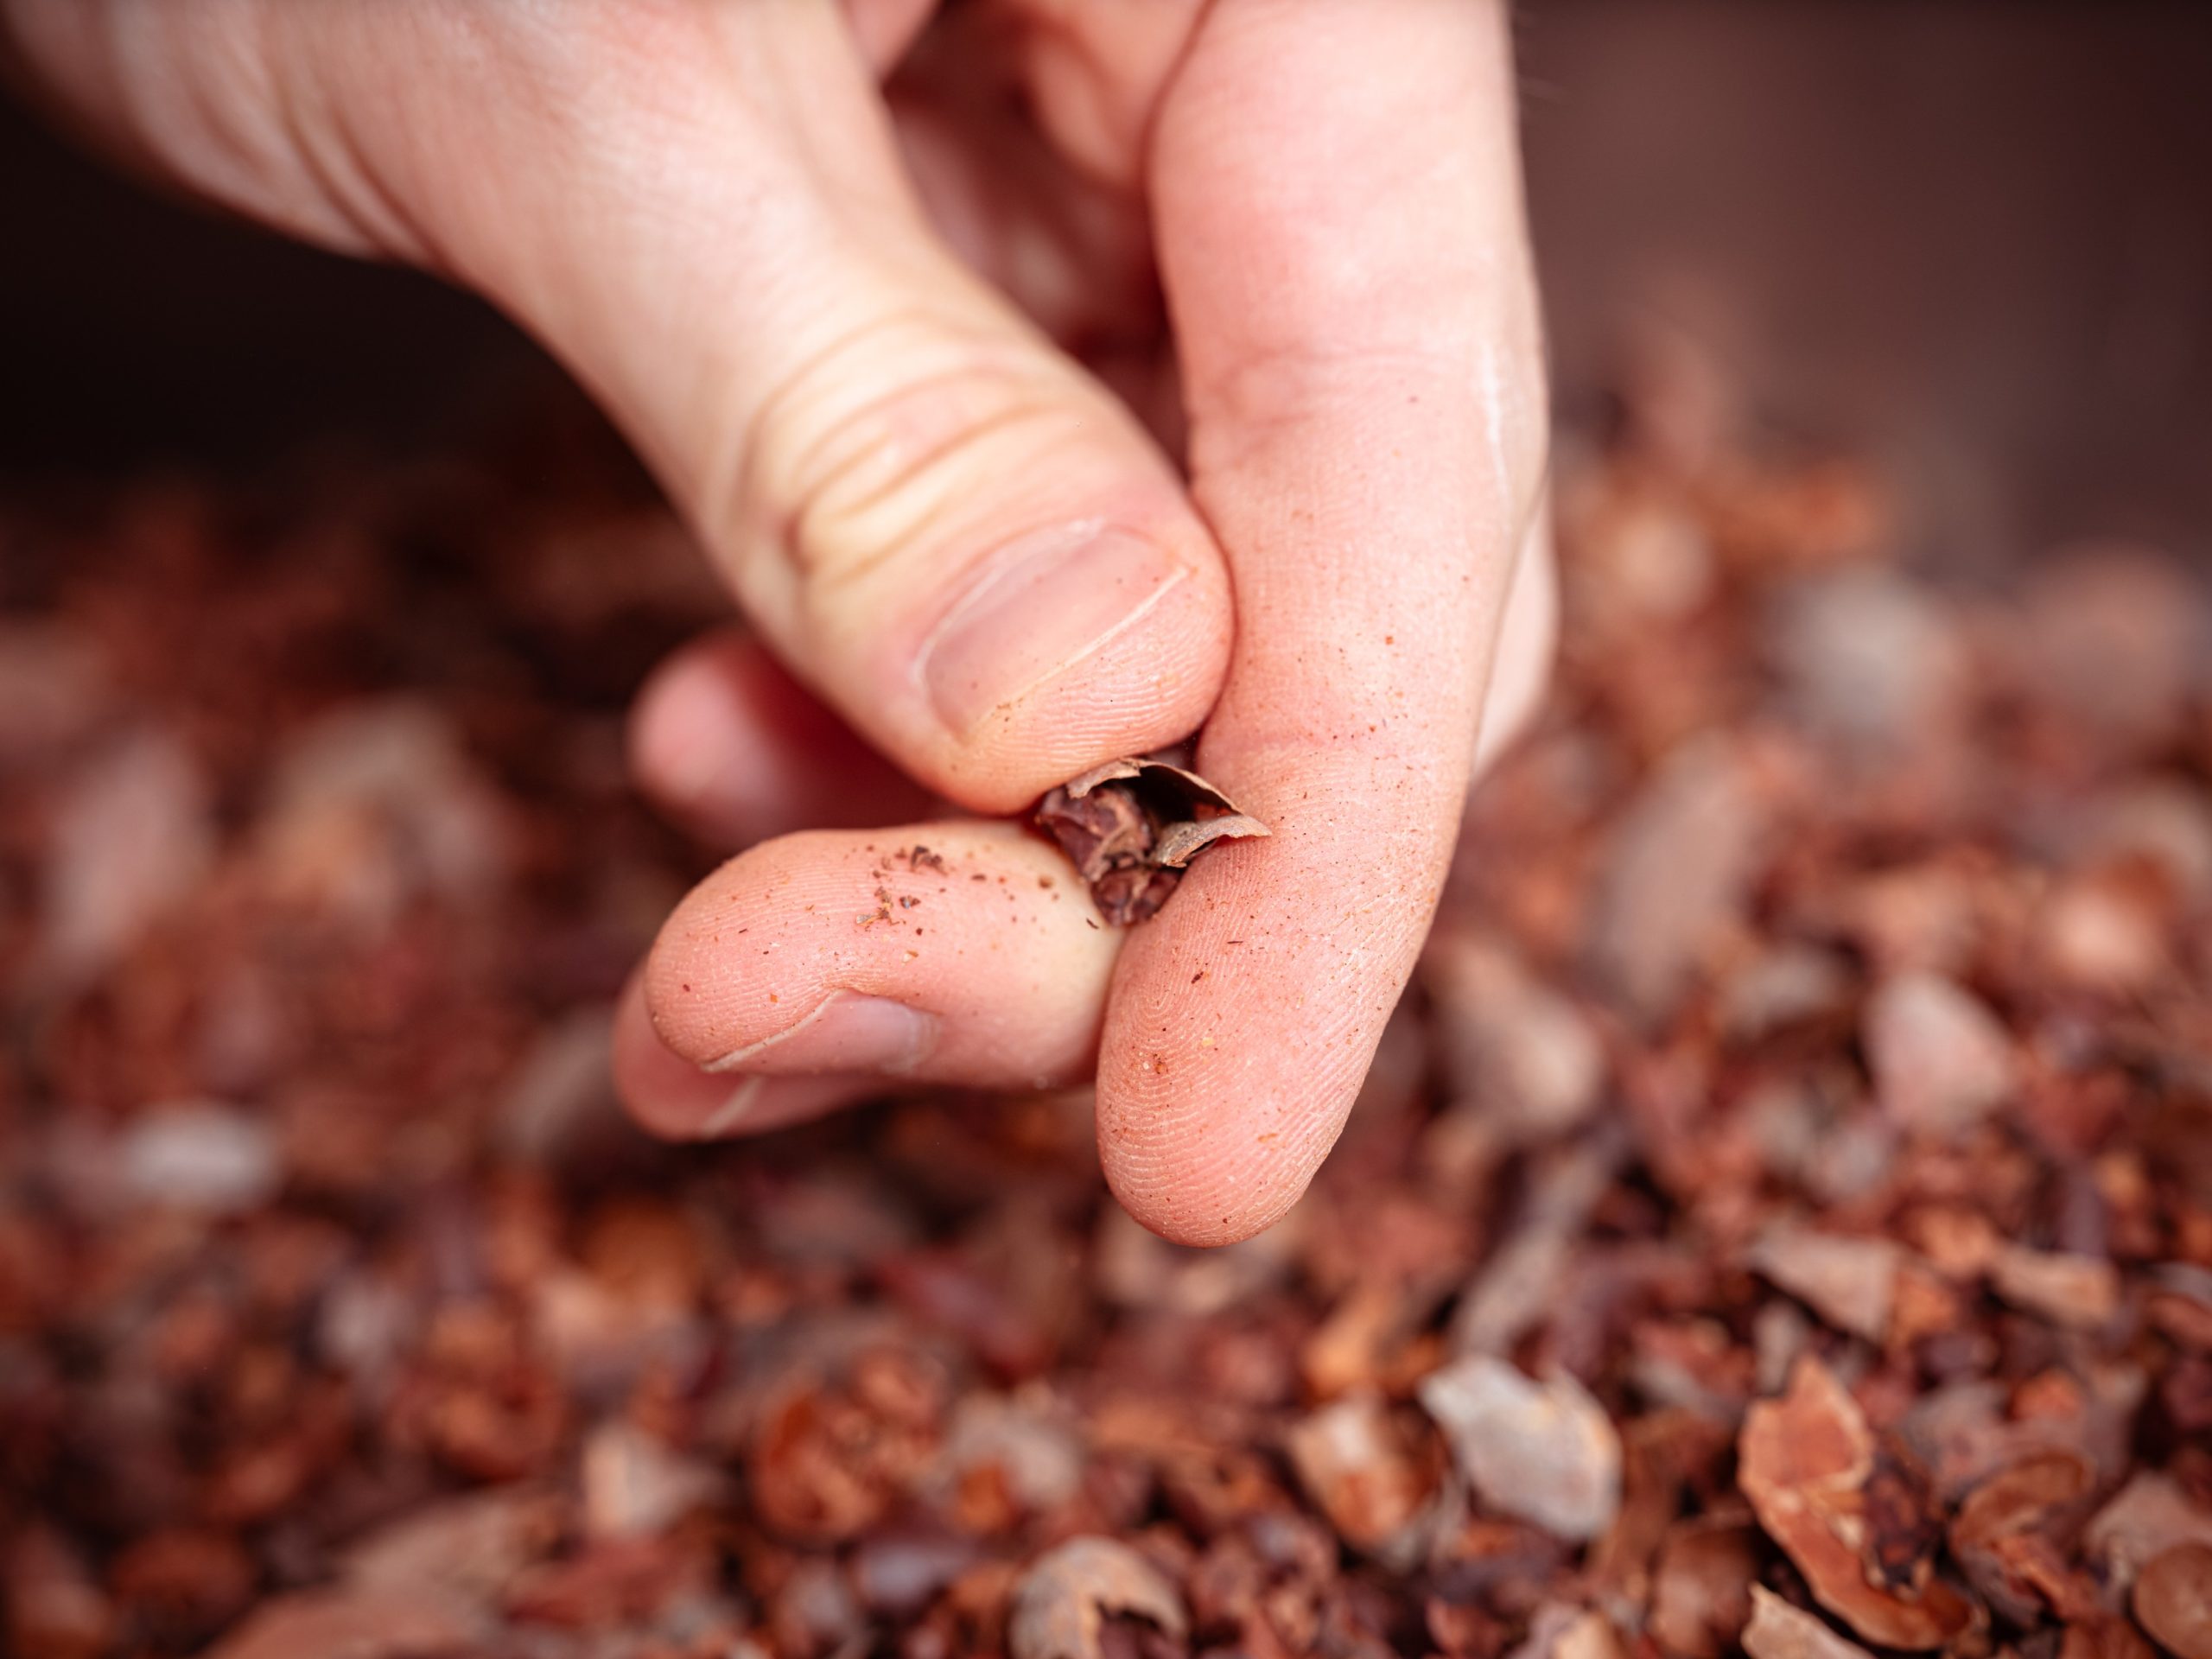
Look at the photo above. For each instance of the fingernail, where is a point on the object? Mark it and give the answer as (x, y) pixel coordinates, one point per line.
(1045, 604)
(732, 1111)
(845, 1032)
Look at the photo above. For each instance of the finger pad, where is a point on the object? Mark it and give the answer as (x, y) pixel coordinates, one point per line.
(979, 926)
(1244, 1019)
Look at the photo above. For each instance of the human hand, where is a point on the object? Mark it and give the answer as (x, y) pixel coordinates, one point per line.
(841, 331)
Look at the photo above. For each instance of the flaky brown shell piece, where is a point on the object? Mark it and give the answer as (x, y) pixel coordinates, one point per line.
(1845, 1513)
(1131, 826)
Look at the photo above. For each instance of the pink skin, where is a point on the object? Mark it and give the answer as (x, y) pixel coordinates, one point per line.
(959, 952)
(732, 748)
(830, 322)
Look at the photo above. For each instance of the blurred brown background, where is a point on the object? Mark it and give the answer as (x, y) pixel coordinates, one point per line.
(1974, 239)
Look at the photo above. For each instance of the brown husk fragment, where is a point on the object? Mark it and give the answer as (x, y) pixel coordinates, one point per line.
(352, 1624)
(333, 1279)
(1847, 1281)
(2146, 1518)
(1543, 1450)
(2106, 1636)
(1848, 1513)
(1061, 1604)
(2013, 1536)
(1702, 1589)
(2173, 1601)
(1352, 1460)
(1779, 1631)
(2066, 1289)
(1130, 827)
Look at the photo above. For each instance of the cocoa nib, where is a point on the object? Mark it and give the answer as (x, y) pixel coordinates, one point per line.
(1060, 1605)
(2173, 1601)
(1849, 1515)
(1779, 1222)
(1131, 827)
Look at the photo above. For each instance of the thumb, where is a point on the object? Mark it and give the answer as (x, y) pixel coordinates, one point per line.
(946, 528)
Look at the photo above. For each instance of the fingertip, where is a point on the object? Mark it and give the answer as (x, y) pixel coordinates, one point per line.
(680, 726)
(666, 1095)
(1207, 1209)
(1245, 1014)
(955, 952)
(726, 742)
(1207, 1146)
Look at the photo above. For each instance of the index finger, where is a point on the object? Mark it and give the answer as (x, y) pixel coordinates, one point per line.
(1338, 207)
